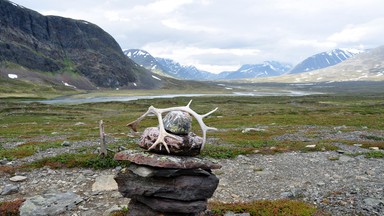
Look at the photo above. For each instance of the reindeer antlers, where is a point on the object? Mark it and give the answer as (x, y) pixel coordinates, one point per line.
(163, 133)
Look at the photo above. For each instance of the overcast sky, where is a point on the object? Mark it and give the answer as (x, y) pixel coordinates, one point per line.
(219, 35)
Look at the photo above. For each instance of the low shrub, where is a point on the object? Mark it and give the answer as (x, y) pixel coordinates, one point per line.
(11, 208)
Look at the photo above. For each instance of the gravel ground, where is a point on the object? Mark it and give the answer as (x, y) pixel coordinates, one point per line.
(339, 184)
(333, 181)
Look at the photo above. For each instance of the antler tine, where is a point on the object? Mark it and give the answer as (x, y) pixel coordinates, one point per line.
(133, 125)
(189, 103)
(209, 113)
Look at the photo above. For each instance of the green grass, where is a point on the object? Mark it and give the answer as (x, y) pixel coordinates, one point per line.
(70, 160)
(27, 122)
(27, 149)
(374, 154)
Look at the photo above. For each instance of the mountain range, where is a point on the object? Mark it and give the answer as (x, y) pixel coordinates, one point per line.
(174, 69)
(324, 59)
(169, 67)
(70, 53)
(365, 66)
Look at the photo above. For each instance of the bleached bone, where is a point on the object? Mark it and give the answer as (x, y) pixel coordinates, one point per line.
(163, 133)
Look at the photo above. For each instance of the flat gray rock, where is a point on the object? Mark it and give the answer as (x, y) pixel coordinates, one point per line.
(10, 189)
(104, 183)
(49, 204)
(18, 178)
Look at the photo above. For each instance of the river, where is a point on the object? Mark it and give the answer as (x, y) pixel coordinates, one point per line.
(72, 100)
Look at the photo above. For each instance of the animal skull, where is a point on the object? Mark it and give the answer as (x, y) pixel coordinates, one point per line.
(163, 133)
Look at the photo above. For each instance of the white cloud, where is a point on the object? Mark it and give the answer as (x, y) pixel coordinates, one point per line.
(177, 24)
(359, 33)
(199, 57)
(166, 6)
(214, 35)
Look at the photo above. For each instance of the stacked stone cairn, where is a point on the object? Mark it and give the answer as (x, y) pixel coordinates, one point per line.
(167, 183)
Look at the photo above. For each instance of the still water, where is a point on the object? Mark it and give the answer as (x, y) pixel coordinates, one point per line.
(70, 100)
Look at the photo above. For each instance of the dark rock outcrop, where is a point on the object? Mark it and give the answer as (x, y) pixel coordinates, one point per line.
(57, 44)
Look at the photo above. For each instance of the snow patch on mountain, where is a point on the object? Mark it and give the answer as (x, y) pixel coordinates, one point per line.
(155, 77)
(68, 85)
(12, 76)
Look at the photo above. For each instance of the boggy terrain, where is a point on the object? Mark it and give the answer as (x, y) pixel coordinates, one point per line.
(324, 150)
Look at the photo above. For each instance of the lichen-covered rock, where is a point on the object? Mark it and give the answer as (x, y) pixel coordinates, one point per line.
(187, 145)
(178, 122)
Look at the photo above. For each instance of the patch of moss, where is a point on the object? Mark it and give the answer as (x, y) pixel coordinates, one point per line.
(264, 208)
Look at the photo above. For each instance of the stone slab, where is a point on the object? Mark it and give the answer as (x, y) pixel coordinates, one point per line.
(137, 208)
(184, 187)
(174, 206)
(165, 161)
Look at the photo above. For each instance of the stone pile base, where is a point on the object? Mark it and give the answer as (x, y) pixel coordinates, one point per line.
(173, 186)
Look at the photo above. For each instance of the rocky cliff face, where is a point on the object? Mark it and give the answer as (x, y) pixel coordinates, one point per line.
(57, 44)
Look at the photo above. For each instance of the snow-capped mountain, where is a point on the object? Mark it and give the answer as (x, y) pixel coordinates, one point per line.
(267, 69)
(167, 67)
(366, 66)
(324, 59)
(146, 60)
(179, 71)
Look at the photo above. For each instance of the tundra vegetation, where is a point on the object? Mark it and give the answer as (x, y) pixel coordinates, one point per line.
(30, 127)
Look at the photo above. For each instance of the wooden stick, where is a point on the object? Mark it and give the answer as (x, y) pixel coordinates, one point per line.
(103, 148)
